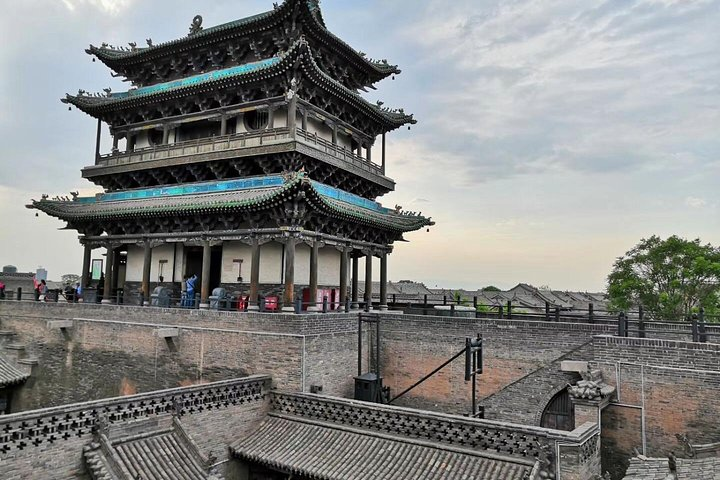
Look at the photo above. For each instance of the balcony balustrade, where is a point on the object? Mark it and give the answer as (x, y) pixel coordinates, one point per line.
(237, 141)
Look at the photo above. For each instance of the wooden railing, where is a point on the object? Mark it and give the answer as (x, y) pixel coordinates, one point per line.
(236, 141)
(194, 147)
(337, 151)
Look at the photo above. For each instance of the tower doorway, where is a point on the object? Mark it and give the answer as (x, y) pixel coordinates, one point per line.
(193, 265)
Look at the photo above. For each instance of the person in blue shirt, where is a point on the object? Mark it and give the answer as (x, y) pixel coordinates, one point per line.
(190, 290)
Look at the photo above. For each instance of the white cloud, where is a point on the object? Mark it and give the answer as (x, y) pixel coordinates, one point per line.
(695, 202)
(112, 7)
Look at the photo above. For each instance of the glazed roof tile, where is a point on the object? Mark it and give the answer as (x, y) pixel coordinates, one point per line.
(330, 452)
(9, 374)
(229, 77)
(254, 193)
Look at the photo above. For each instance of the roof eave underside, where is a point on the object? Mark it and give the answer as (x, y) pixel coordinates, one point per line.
(97, 106)
(116, 59)
(68, 211)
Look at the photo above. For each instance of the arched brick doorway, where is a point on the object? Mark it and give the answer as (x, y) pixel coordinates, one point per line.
(558, 414)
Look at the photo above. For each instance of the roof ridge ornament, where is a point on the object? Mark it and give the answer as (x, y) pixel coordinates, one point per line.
(196, 25)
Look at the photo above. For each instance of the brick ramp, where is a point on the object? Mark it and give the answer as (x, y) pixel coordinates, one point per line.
(524, 400)
(161, 451)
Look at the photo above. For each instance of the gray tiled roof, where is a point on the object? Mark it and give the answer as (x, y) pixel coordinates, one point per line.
(657, 469)
(331, 452)
(9, 374)
(158, 457)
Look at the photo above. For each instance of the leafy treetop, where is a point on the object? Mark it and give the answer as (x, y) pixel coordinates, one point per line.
(670, 278)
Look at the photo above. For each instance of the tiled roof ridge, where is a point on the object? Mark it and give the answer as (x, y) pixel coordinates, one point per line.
(107, 54)
(411, 440)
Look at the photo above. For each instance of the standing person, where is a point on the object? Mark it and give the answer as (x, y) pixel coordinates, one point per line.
(43, 291)
(2, 291)
(101, 287)
(190, 290)
(36, 287)
(78, 292)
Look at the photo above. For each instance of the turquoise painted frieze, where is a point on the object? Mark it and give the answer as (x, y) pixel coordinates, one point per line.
(196, 79)
(229, 186)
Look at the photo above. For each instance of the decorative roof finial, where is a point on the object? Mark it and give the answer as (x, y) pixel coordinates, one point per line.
(149, 42)
(133, 46)
(196, 25)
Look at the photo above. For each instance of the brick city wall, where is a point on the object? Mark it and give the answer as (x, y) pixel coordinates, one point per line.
(672, 385)
(49, 443)
(414, 345)
(110, 351)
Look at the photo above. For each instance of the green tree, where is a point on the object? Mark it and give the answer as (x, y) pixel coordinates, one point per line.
(491, 288)
(670, 278)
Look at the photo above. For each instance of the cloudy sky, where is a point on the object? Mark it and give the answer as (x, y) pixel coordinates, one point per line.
(553, 134)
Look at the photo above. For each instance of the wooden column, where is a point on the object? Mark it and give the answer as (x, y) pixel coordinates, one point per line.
(223, 125)
(354, 288)
(289, 295)
(334, 134)
(383, 154)
(205, 280)
(115, 142)
(115, 271)
(343, 277)
(97, 141)
(130, 142)
(85, 277)
(107, 288)
(254, 275)
(368, 152)
(271, 117)
(304, 118)
(166, 134)
(292, 114)
(383, 281)
(368, 280)
(314, 250)
(147, 259)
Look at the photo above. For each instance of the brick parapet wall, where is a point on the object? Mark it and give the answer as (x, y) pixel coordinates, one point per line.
(306, 324)
(97, 358)
(659, 353)
(48, 443)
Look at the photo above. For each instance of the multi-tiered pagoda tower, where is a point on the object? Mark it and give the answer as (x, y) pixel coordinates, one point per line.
(243, 154)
